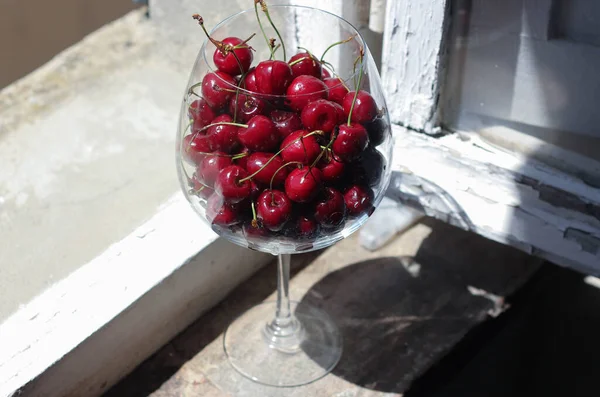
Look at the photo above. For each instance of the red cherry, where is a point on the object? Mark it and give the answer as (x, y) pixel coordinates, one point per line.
(255, 190)
(194, 148)
(229, 186)
(201, 113)
(330, 209)
(336, 90)
(242, 161)
(307, 66)
(350, 142)
(223, 137)
(286, 122)
(365, 108)
(254, 231)
(306, 226)
(210, 167)
(250, 81)
(247, 107)
(228, 63)
(358, 200)
(325, 74)
(200, 189)
(302, 184)
(331, 168)
(300, 148)
(303, 90)
(217, 89)
(256, 161)
(273, 209)
(261, 135)
(320, 115)
(221, 213)
(273, 77)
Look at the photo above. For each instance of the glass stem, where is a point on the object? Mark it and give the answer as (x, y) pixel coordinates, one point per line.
(283, 315)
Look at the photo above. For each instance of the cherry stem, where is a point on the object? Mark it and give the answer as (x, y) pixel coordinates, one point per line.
(243, 43)
(262, 29)
(265, 9)
(279, 169)
(239, 156)
(315, 132)
(254, 222)
(324, 150)
(299, 60)
(360, 76)
(217, 43)
(336, 44)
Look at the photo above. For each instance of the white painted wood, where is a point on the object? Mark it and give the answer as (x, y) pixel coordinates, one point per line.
(413, 61)
(90, 329)
(500, 195)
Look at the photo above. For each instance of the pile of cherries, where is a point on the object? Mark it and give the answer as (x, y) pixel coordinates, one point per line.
(283, 148)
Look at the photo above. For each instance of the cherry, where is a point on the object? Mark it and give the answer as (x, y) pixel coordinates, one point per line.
(300, 148)
(330, 209)
(336, 90)
(306, 226)
(273, 209)
(302, 184)
(255, 190)
(331, 168)
(228, 184)
(320, 115)
(365, 108)
(273, 77)
(195, 147)
(223, 137)
(242, 161)
(303, 90)
(308, 65)
(258, 161)
(286, 122)
(261, 135)
(201, 113)
(221, 213)
(247, 107)
(253, 230)
(217, 89)
(367, 170)
(325, 74)
(250, 81)
(350, 142)
(358, 199)
(228, 63)
(211, 165)
(200, 189)
(377, 130)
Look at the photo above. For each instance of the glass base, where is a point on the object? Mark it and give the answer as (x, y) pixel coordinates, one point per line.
(305, 349)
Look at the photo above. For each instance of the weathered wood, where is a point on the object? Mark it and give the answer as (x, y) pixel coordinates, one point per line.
(399, 309)
(500, 195)
(413, 51)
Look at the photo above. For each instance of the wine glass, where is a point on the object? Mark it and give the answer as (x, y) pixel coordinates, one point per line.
(270, 158)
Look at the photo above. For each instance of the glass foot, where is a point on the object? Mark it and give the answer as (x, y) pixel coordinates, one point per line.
(300, 352)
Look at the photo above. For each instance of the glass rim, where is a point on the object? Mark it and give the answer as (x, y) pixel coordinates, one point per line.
(243, 91)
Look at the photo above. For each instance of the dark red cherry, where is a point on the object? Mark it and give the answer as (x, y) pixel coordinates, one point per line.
(325, 74)
(242, 161)
(350, 142)
(194, 148)
(336, 89)
(229, 186)
(223, 137)
(331, 168)
(306, 226)
(273, 77)
(367, 170)
(252, 231)
(269, 165)
(273, 209)
(365, 108)
(303, 90)
(377, 129)
(201, 113)
(260, 135)
(211, 165)
(244, 107)
(320, 115)
(228, 63)
(305, 64)
(358, 200)
(303, 184)
(286, 122)
(330, 209)
(299, 147)
(217, 89)
(221, 213)
(250, 81)
(199, 188)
